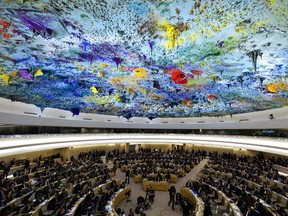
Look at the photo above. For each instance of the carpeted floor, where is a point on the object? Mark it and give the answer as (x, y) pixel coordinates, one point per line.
(160, 206)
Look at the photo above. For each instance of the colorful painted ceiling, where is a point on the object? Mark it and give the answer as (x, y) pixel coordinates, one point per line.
(145, 58)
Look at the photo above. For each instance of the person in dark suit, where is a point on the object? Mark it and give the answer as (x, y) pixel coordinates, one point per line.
(127, 179)
(207, 210)
(131, 212)
(280, 210)
(185, 208)
(172, 192)
(249, 212)
(27, 166)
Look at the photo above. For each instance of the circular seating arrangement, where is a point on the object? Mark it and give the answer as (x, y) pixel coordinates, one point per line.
(250, 183)
(227, 185)
(56, 188)
(157, 168)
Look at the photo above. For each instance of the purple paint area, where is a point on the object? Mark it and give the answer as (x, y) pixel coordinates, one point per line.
(24, 73)
(151, 43)
(118, 61)
(87, 56)
(35, 26)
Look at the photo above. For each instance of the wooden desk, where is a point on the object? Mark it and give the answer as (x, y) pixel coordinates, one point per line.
(97, 190)
(112, 175)
(194, 200)
(224, 201)
(123, 168)
(173, 178)
(137, 178)
(181, 173)
(280, 168)
(119, 197)
(39, 209)
(59, 160)
(160, 186)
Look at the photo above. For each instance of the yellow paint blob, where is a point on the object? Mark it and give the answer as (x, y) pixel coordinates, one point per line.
(140, 72)
(103, 65)
(194, 82)
(122, 67)
(6, 77)
(272, 88)
(94, 90)
(193, 37)
(14, 73)
(38, 72)
(172, 32)
(101, 74)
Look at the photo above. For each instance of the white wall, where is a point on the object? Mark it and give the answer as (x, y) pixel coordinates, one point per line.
(25, 114)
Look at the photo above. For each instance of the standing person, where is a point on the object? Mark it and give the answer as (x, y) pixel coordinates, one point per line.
(6, 170)
(131, 212)
(27, 166)
(172, 192)
(127, 180)
(207, 210)
(185, 208)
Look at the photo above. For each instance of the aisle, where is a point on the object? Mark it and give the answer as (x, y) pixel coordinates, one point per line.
(160, 206)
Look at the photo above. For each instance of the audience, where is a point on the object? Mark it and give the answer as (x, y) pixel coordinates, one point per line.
(65, 183)
(157, 165)
(231, 175)
(47, 183)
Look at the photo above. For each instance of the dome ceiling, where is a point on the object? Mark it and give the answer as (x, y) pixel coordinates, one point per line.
(145, 58)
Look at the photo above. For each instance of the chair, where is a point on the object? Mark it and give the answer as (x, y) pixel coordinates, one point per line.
(57, 212)
(274, 197)
(219, 200)
(46, 212)
(223, 208)
(12, 213)
(21, 211)
(283, 201)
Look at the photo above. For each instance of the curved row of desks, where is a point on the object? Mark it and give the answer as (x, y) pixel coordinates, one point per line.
(140, 179)
(98, 190)
(275, 197)
(157, 186)
(116, 200)
(224, 201)
(267, 206)
(192, 197)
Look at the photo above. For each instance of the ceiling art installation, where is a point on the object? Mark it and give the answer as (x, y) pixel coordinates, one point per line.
(145, 58)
